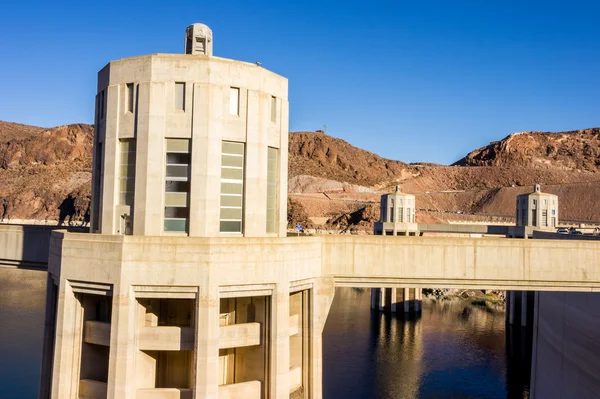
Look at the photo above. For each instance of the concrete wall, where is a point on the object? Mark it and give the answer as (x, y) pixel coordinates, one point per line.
(26, 246)
(566, 348)
(484, 263)
(206, 121)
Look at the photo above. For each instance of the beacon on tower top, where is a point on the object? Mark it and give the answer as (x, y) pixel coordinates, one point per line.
(198, 40)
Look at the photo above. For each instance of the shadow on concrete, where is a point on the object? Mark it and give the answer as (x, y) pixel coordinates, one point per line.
(27, 246)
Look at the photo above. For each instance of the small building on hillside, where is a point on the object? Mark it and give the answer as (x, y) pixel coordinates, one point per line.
(535, 211)
(397, 215)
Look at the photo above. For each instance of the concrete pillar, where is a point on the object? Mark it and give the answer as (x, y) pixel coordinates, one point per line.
(523, 308)
(121, 366)
(393, 300)
(207, 339)
(323, 293)
(280, 342)
(381, 299)
(406, 300)
(418, 299)
(67, 348)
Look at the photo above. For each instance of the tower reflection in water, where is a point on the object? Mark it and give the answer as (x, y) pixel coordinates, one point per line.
(453, 350)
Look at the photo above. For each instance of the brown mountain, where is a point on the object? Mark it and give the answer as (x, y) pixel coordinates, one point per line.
(573, 150)
(43, 170)
(336, 185)
(317, 154)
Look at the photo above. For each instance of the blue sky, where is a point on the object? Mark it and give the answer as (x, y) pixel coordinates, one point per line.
(409, 80)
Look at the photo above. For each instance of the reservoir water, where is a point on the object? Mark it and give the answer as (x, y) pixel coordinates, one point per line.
(453, 350)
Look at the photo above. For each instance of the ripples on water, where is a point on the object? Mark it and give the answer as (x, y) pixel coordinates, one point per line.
(448, 352)
(454, 350)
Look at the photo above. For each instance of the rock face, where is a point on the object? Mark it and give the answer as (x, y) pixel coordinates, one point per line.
(573, 150)
(46, 174)
(317, 154)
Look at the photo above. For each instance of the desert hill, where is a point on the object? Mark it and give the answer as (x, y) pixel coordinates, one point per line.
(331, 183)
(42, 169)
(573, 150)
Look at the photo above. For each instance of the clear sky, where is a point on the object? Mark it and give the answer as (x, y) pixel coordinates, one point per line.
(409, 80)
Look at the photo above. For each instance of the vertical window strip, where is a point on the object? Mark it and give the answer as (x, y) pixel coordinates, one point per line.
(272, 180)
(234, 101)
(273, 108)
(97, 186)
(102, 105)
(130, 97)
(177, 185)
(127, 172)
(232, 187)
(179, 96)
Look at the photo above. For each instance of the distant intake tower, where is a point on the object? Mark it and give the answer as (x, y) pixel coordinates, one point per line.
(537, 209)
(397, 215)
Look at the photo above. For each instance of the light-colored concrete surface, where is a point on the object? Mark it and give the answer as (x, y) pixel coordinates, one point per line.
(537, 209)
(397, 215)
(207, 121)
(97, 333)
(239, 335)
(166, 338)
(250, 390)
(164, 393)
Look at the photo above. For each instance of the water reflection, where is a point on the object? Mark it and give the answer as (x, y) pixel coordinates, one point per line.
(454, 350)
(22, 301)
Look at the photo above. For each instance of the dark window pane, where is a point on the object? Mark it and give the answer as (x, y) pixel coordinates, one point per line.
(231, 227)
(177, 171)
(178, 158)
(177, 186)
(176, 212)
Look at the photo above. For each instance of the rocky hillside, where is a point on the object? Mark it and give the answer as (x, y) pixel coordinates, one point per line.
(332, 184)
(574, 150)
(319, 155)
(44, 171)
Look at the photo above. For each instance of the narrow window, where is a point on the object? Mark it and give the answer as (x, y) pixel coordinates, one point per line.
(102, 105)
(544, 221)
(97, 186)
(177, 185)
(272, 190)
(401, 215)
(534, 217)
(234, 101)
(232, 187)
(179, 96)
(524, 217)
(129, 98)
(273, 109)
(127, 172)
